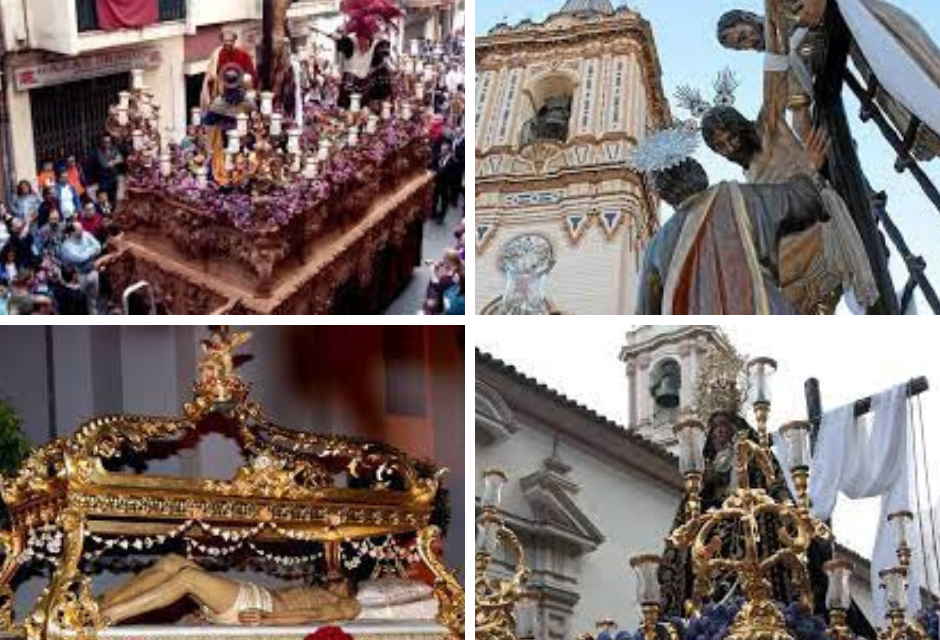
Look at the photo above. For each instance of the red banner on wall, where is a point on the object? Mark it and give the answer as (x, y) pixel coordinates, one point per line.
(127, 14)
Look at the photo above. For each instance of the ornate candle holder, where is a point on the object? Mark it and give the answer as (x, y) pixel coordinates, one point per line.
(691, 435)
(838, 597)
(760, 372)
(496, 598)
(135, 122)
(646, 568)
(797, 435)
(900, 522)
(894, 582)
(758, 618)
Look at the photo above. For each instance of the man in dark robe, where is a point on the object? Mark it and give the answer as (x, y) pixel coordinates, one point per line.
(718, 253)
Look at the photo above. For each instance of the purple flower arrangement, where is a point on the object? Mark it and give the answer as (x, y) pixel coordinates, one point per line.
(337, 178)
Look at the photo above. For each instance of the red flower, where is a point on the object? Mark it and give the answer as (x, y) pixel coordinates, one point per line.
(329, 633)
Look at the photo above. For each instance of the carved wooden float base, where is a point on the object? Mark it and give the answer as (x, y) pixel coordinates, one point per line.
(359, 270)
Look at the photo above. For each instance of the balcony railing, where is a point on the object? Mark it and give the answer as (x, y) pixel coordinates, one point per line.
(170, 11)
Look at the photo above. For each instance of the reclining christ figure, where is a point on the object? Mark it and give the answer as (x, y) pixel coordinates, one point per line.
(224, 601)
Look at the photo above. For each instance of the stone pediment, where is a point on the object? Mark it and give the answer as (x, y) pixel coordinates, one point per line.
(556, 514)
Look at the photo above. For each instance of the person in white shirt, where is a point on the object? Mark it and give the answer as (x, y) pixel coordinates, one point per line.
(81, 250)
(453, 79)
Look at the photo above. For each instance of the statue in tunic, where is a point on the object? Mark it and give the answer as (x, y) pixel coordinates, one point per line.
(221, 117)
(284, 81)
(365, 53)
(818, 263)
(224, 601)
(551, 122)
(718, 253)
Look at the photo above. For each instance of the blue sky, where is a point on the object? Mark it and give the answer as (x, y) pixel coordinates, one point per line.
(685, 36)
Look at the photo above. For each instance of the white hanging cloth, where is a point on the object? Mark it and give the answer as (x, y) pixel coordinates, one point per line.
(863, 459)
(901, 54)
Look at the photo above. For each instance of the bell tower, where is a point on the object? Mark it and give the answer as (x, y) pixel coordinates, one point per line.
(662, 363)
(559, 106)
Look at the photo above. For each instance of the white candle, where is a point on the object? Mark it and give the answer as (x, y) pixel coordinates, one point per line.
(324, 152)
(419, 67)
(138, 138)
(267, 103)
(428, 74)
(419, 92)
(122, 116)
(234, 143)
(310, 167)
(242, 124)
(166, 166)
(137, 79)
(202, 177)
(125, 97)
(406, 112)
(415, 47)
(293, 140)
(386, 110)
(295, 164)
(355, 102)
(372, 123)
(229, 160)
(353, 136)
(277, 124)
(196, 117)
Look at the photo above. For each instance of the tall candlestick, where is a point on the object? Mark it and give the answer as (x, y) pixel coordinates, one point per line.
(310, 167)
(277, 127)
(267, 103)
(234, 143)
(323, 154)
(166, 166)
(293, 140)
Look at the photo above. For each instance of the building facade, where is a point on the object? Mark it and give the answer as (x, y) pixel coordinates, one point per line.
(662, 364)
(585, 493)
(559, 105)
(61, 71)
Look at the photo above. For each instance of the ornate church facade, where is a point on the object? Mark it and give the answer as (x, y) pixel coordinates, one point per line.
(559, 105)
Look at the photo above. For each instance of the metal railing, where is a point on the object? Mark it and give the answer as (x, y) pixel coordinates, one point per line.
(87, 11)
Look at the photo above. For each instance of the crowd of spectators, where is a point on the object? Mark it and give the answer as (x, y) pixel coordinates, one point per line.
(447, 285)
(55, 236)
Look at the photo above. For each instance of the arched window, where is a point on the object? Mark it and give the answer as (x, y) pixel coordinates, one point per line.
(547, 111)
(665, 387)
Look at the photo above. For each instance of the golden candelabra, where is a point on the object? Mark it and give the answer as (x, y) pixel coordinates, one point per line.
(747, 507)
(497, 599)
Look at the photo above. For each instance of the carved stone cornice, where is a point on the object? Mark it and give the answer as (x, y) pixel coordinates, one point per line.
(570, 175)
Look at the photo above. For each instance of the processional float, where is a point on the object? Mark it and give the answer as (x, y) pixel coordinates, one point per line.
(297, 488)
(504, 607)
